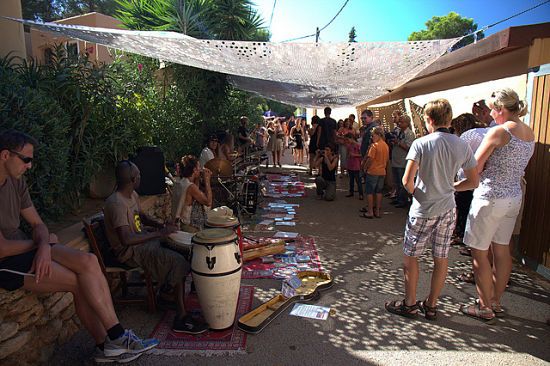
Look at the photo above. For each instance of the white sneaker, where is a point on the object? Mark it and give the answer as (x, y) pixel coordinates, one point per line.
(99, 357)
(128, 343)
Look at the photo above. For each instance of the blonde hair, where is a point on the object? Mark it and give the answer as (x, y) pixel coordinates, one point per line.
(378, 131)
(439, 111)
(508, 99)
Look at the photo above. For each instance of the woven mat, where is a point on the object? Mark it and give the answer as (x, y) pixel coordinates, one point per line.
(211, 343)
(305, 245)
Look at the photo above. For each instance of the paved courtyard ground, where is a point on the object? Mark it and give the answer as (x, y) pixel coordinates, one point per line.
(365, 257)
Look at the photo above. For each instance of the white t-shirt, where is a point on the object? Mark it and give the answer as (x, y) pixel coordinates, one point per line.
(439, 155)
(206, 156)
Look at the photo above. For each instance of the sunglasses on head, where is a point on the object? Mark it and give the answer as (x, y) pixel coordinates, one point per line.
(24, 159)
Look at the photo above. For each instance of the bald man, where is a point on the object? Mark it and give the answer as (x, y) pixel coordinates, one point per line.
(137, 246)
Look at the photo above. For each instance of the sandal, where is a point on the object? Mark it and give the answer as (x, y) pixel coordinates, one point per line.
(466, 251)
(364, 209)
(430, 312)
(364, 215)
(377, 213)
(485, 315)
(497, 309)
(400, 308)
(467, 277)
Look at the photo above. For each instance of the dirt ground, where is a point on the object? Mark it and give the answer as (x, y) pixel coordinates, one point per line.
(365, 258)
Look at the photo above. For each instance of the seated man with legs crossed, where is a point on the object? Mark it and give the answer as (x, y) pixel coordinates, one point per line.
(137, 246)
(42, 265)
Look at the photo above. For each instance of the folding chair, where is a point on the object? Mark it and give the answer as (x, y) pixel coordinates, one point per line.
(95, 230)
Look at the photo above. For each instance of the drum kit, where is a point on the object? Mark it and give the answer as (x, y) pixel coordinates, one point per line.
(236, 184)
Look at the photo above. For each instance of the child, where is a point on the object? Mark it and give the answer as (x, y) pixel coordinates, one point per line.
(353, 164)
(436, 157)
(375, 167)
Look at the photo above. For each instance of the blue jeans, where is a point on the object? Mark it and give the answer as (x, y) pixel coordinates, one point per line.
(402, 195)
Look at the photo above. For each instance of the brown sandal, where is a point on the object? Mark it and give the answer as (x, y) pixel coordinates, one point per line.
(467, 277)
(430, 312)
(400, 308)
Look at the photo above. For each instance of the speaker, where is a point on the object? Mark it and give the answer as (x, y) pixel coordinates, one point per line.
(150, 161)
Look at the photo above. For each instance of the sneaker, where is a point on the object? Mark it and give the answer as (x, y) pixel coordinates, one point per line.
(189, 325)
(99, 357)
(128, 343)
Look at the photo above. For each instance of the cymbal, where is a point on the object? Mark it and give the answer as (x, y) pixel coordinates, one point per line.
(219, 167)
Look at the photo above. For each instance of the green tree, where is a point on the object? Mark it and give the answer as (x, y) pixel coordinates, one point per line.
(77, 7)
(46, 10)
(448, 26)
(352, 36)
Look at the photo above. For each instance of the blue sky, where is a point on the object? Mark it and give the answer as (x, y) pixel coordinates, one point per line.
(387, 20)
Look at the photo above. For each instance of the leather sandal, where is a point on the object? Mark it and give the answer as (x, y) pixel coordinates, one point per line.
(474, 311)
(430, 312)
(400, 308)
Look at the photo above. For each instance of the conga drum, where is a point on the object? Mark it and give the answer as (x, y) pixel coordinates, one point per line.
(180, 241)
(226, 222)
(216, 267)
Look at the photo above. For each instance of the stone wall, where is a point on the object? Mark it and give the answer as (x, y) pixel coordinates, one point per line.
(32, 325)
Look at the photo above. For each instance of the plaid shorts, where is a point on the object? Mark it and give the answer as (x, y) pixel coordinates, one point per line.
(435, 230)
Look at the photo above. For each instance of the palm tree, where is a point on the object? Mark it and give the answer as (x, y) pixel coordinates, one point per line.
(206, 19)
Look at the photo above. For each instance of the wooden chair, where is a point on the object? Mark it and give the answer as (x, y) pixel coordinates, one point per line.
(99, 245)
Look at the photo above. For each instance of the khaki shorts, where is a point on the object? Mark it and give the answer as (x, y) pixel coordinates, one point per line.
(165, 265)
(491, 221)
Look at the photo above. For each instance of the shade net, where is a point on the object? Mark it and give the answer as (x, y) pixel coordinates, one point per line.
(302, 74)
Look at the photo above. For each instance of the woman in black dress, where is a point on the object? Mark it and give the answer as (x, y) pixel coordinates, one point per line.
(313, 131)
(297, 134)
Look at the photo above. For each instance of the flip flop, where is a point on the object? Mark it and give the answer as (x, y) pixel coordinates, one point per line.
(364, 215)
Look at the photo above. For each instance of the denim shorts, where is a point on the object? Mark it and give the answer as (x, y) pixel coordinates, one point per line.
(374, 183)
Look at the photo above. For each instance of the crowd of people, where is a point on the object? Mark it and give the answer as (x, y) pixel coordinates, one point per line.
(462, 183)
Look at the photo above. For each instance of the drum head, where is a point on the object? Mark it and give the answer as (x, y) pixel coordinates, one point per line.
(222, 221)
(214, 236)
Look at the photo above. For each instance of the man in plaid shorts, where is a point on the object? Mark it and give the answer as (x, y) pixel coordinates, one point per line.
(436, 158)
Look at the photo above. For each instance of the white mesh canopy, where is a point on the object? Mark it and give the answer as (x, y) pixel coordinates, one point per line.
(302, 74)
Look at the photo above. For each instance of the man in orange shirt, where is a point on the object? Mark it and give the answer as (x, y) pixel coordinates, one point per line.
(375, 167)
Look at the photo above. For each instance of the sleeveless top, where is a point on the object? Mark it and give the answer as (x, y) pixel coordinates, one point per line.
(179, 209)
(504, 169)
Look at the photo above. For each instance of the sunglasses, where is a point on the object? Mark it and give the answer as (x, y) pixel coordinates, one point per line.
(24, 159)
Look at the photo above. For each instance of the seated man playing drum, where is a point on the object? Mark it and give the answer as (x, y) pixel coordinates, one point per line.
(136, 246)
(188, 200)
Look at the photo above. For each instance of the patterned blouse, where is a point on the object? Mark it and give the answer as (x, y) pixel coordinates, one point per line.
(504, 169)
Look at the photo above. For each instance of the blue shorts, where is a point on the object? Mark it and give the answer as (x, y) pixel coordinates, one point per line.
(374, 183)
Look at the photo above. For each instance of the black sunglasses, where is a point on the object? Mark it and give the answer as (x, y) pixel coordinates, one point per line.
(24, 159)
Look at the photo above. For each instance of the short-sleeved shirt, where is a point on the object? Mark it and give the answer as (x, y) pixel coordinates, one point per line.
(379, 153)
(328, 128)
(398, 154)
(473, 138)
(242, 131)
(354, 162)
(439, 155)
(206, 156)
(14, 197)
(121, 211)
(366, 139)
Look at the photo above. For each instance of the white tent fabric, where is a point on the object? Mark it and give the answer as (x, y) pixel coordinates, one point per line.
(302, 74)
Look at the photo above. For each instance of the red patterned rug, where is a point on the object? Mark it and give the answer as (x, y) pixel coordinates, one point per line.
(304, 246)
(229, 341)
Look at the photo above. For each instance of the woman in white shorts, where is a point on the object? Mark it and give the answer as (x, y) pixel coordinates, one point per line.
(502, 158)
